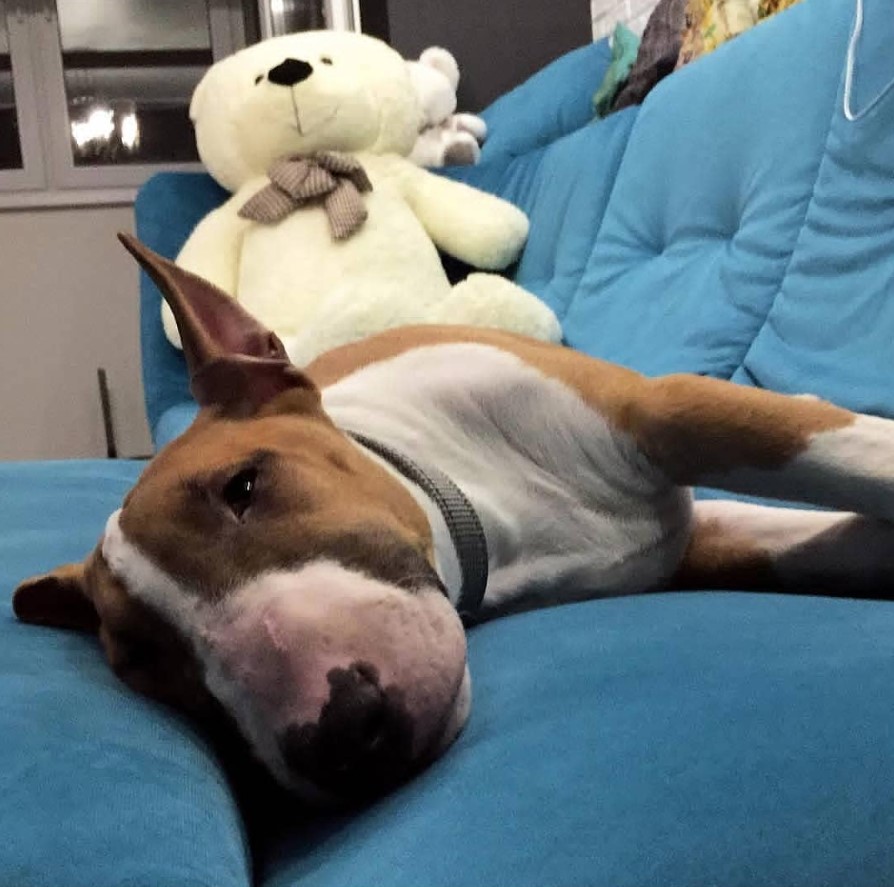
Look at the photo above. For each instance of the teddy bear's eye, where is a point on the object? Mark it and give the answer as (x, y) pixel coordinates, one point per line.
(326, 60)
(258, 79)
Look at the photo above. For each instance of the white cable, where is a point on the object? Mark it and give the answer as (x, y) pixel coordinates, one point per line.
(849, 68)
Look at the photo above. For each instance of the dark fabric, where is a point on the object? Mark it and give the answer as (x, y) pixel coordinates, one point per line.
(657, 53)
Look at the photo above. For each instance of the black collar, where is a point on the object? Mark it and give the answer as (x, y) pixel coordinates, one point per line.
(462, 521)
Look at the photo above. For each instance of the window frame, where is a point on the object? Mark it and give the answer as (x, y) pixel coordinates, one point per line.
(31, 175)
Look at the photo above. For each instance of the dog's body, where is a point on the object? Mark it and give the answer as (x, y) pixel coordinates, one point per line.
(581, 470)
(568, 506)
(287, 575)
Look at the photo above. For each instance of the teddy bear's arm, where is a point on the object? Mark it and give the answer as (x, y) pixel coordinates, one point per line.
(471, 225)
(212, 250)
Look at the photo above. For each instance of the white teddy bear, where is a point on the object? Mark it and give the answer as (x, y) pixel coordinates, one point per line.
(330, 233)
(447, 138)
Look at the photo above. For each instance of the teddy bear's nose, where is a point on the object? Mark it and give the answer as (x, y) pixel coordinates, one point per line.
(290, 72)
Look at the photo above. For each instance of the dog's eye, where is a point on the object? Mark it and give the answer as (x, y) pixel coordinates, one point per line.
(326, 60)
(239, 490)
(258, 79)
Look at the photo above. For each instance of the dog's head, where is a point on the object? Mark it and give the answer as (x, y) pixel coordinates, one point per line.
(264, 566)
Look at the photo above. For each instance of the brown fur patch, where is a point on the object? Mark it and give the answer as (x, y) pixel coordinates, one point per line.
(314, 489)
(695, 427)
(601, 384)
(690, 426)
(717, 558)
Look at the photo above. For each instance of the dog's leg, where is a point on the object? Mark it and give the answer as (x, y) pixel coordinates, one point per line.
(700, 431)
(743, 546)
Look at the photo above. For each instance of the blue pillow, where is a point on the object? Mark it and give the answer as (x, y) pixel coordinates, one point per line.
(99, 787)
(553, 102)
(675, 739)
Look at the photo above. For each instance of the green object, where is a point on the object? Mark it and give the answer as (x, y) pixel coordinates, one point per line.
(625, 46)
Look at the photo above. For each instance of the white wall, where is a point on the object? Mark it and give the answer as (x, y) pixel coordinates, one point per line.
(607, 13)
(69, 303)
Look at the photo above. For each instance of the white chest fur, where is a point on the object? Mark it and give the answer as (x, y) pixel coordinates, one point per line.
(568, 504)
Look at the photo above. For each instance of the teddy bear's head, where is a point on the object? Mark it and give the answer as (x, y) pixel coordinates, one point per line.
(435, 76)
(300, 93)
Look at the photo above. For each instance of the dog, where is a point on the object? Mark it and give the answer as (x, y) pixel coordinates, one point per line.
(300, 563)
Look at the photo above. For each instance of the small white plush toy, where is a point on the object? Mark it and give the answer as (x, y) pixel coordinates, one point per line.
(447, 138)
(330, 234)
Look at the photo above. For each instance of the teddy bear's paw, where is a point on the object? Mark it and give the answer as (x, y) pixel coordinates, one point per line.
(489, 300)
(305, 348)
(297, 349)
(461, 149)
(493, 235)
(470, 123)
(349, 316)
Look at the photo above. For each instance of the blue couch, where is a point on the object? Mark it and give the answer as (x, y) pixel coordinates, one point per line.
(738, 225)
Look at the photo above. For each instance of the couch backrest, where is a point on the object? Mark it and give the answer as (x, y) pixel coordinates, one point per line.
(710, 199)
(749, 230)
(737, 225)
(830, 329)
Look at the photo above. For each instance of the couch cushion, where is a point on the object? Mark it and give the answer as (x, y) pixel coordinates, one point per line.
(710, 198)
(831, 329)
(565, 211)
(547, 155)
(550, 104)
(564, 188)
(726, 739)
(99, 787)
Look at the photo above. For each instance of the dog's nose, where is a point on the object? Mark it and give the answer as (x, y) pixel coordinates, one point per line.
(362, 743)
(290, 72)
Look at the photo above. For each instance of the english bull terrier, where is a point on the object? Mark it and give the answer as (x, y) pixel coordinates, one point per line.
(289, 564)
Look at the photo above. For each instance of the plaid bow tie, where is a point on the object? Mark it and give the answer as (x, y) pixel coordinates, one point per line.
(336, 179)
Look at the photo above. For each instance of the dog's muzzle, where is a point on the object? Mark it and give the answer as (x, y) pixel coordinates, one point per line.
(343, 684)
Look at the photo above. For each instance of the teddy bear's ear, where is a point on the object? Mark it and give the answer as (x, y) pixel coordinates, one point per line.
(435, 94)
(441, 60)
(234, 361)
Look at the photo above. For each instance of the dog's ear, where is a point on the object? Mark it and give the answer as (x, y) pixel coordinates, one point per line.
(58, 598)
(234, 361)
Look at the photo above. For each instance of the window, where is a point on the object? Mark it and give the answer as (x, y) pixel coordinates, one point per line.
(21, 164)
(94, 94)
(129, 74)
(110, 105)
(288, 16)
